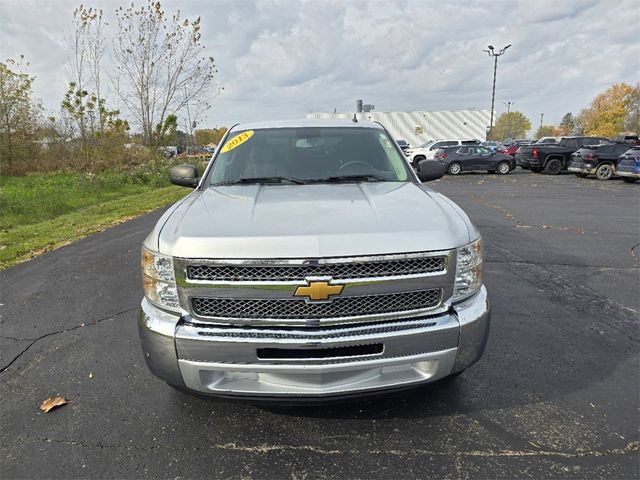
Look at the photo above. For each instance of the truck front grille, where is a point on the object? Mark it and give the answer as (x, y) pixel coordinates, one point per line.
(350, 270)
(232, 308)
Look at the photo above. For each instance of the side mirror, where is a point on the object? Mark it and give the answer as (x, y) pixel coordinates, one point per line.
(430, 170)
(184, 175)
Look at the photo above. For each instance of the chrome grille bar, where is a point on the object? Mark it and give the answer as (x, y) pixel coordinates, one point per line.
(375, 267)
(279, 308)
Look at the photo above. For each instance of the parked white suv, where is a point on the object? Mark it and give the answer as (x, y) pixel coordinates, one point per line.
(428, 150)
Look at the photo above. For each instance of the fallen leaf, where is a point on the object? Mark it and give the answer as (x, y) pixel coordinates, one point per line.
(52, 402)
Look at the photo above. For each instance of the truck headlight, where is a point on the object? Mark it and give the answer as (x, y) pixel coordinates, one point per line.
(468, 270)
(159, 280)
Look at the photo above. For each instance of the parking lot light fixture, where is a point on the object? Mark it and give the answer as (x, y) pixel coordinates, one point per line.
(492, 53)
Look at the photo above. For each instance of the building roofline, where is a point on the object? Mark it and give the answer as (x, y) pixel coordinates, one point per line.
(308, 122)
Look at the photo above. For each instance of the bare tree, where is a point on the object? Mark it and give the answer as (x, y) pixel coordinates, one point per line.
(95, 43)
(193, 113)
(85, 99)
(161, 65)
(78, 46)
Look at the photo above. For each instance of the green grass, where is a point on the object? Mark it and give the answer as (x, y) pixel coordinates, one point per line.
(42, 212)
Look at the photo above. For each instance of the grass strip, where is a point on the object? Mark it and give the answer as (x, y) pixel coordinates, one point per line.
(24, 242)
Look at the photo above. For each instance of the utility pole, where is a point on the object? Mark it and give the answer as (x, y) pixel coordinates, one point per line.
(492, 53)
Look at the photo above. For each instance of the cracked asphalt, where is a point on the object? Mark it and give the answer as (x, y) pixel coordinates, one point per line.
(556, 394)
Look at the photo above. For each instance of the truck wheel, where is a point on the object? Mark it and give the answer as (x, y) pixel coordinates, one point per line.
(629, 180)
(604, 171)
(503, 168)
(454, 168)
(553, 167)
(417, 159)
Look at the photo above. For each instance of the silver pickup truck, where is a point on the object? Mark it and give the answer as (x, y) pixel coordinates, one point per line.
(310, 262)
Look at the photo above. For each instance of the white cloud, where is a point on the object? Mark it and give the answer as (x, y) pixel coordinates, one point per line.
(283, 58)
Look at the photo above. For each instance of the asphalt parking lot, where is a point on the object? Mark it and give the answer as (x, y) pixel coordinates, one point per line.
(556, 394)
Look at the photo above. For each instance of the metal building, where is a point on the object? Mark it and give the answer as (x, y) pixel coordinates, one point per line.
(420, 127)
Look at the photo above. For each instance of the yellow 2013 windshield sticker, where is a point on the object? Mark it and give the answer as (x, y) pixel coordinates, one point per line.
(237, 141)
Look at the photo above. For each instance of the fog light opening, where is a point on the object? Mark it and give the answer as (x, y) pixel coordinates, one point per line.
(427, 368)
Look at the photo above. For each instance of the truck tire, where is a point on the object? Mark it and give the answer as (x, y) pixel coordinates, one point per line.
(503, 168)
(454, 168)
(604, 171)
(553, 167)
(417, 159)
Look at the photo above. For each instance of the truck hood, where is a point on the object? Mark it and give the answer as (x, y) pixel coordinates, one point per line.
(306, 221)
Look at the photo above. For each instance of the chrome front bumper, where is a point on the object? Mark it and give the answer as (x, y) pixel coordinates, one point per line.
(226, 361)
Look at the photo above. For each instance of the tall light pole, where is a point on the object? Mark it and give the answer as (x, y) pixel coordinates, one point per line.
(508, 105)
(492, 53)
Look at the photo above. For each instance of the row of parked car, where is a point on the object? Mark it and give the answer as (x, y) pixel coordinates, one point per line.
(584, 156)
(599, 156)
(200, 153)
(462, 155)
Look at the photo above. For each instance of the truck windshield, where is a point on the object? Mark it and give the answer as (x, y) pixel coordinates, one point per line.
(308, 155)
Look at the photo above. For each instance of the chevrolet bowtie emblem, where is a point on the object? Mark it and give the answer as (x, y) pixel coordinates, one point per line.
(318, 290)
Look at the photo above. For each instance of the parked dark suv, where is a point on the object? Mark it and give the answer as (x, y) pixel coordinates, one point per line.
(598, 160)
(471, 157)
(629, 165)
(403, 145)
(628, 139)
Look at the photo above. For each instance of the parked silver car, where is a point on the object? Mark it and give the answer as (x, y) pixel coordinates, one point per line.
(310, 262)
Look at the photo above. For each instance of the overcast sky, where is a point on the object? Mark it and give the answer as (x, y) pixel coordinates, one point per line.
(282, 59)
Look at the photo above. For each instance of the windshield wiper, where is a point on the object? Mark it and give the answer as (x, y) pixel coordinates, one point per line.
(250, 180)
(349, 178)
